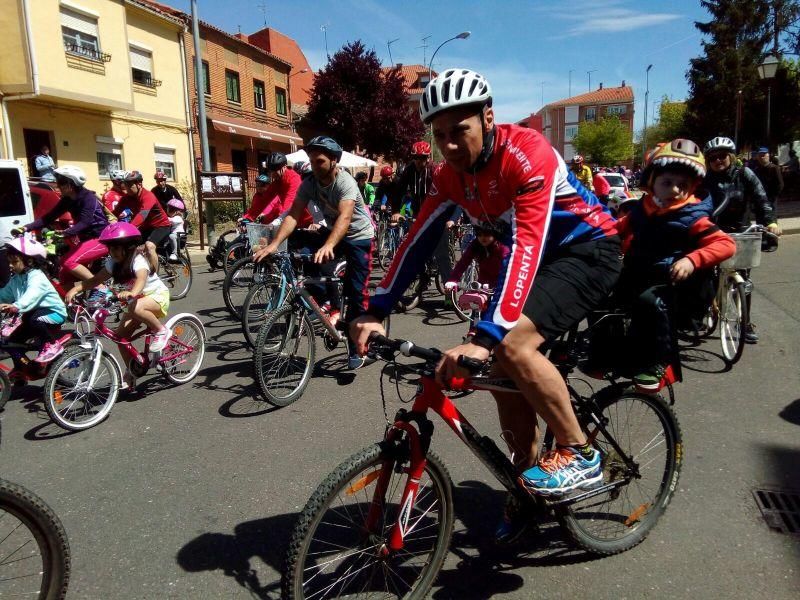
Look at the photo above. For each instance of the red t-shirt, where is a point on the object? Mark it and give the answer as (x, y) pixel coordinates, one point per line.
(276, 199)
(146, 209)
(601, 185)
(111, 198)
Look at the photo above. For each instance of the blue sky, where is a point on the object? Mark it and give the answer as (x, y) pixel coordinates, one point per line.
(517, 45)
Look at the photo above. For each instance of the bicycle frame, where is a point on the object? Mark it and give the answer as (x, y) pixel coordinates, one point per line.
(298, 289)
(431, 397)
(99, 317)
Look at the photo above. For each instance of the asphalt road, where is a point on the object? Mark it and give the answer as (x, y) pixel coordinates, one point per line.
(190, 492)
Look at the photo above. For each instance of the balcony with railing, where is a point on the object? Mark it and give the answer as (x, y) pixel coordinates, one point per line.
(87, 52)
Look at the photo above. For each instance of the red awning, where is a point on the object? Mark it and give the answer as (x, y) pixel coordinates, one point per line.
(263, 132)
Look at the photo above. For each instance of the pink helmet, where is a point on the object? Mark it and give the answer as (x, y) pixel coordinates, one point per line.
(175, 203)
(27, 246)
(120, 233)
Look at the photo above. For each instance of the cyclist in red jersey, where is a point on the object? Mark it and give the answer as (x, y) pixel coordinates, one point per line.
(145, 213)
(277, 198)
(564, 261)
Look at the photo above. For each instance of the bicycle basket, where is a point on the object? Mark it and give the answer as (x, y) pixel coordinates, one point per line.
(748, 251)
(260, 236)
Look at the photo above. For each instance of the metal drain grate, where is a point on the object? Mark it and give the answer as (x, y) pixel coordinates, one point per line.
(780, 508)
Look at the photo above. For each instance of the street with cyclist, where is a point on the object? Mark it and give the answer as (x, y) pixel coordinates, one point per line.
(330, 323)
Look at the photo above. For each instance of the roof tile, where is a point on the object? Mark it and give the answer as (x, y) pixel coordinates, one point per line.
(602, 96)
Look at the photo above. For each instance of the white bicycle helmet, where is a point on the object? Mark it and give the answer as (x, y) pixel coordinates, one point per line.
(73, 174)
(27, 245)
(719, 143)
(452, 89)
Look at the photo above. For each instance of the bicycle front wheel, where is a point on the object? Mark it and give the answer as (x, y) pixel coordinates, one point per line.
(34, 546)
(235, 252)
(260, 301)
(648, 433)
(284, 355)
(733, 320)
(339, 545)
(237, 283)
(183, 356)
(72, 399)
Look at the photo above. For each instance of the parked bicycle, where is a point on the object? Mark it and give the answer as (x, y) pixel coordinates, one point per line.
(83, 383)
(381, 522)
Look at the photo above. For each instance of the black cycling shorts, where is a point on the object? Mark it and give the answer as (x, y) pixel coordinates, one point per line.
(158, 235)
(572, 282)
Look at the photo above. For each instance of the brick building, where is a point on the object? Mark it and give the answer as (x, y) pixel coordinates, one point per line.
(560, 120)
(301, 78)
(416, 79)
(246, 96)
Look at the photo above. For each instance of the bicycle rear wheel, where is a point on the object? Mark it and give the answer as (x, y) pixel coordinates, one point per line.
(333, 552)
(237, 283)
(284, 355)
(188, 347)
(733, 320)
(33, 546)
(177, 277)
(648, 433)
(68, 399)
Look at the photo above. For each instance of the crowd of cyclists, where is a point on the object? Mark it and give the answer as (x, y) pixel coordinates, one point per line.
(110, 240)
(550, 248)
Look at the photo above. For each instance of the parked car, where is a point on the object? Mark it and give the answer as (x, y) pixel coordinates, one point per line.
(619, 184)
(45, 196)
(15, 198)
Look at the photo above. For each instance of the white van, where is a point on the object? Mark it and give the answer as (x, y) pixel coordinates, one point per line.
(16, 207)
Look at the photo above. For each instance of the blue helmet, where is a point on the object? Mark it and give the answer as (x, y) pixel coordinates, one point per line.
(327, 145)
(263, 178)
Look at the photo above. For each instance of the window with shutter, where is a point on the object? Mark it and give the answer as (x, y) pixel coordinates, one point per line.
(80, 34)
(109, 158)
(280, 101)
(165, 161)
(141, 66)
(232, 86)
(258, 94)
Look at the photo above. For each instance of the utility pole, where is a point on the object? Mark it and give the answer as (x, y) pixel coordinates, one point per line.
(570, 83)
(646, 99)
(589, 73)
(542, 84)
(199, 86)
(389, 47)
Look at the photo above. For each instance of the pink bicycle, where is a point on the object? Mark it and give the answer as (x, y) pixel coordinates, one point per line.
(84, 382)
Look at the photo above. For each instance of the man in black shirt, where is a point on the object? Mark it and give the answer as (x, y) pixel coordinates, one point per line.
(163, 191)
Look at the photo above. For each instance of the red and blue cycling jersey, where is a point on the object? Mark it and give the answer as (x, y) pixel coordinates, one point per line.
(525, 184)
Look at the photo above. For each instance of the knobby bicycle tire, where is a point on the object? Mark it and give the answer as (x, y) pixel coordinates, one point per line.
(50, 538)
(65, 401)
(236, 285)
(276, 361)
(357, 478)
(260, 301)
(734, 303)
(611, 523)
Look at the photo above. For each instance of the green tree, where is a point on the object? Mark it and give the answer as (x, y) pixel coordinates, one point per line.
(738, 36)
(604, 142)
(358, 104)
(671, 124)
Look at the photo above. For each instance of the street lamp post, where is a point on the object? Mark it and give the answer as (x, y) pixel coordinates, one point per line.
(646, 100)
(766, 71)
(461, 36)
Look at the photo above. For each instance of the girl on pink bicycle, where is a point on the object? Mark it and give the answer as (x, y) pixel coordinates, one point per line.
(148, 296)
(30, 295)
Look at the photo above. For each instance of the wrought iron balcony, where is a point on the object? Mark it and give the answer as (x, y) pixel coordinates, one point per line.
(146, 81)
(89, 53)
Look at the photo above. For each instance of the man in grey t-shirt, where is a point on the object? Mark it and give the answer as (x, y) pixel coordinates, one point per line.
(350, 234)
